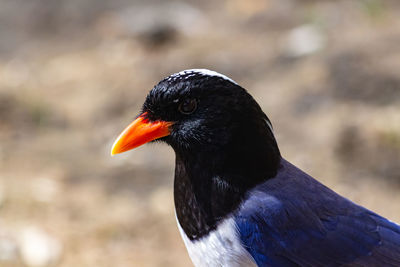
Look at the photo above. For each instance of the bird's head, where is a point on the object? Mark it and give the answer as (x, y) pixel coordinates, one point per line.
(202, 112)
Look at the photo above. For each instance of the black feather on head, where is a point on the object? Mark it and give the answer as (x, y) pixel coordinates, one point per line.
(223, 142)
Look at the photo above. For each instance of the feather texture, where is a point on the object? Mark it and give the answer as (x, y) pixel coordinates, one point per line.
(293, 220)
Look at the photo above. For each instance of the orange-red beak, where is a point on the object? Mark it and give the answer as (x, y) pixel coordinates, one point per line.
(139, 132)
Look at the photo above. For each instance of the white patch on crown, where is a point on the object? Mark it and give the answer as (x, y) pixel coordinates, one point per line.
(220, 248)
(192, 72)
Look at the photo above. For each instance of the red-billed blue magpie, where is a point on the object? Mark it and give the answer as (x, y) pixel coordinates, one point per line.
(237, 201)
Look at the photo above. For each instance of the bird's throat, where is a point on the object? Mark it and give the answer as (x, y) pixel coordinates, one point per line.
(208, 188)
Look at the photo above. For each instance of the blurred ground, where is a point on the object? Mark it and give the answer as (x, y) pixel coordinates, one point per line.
(74, 73)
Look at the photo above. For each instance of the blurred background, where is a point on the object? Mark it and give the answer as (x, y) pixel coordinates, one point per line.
(74, 73)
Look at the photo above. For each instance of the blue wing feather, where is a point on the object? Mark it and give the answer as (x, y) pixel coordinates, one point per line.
(293, 220)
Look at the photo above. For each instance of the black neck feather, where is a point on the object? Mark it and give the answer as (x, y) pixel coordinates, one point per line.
(210, 185)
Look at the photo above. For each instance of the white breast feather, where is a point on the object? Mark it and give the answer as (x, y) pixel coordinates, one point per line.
(220, 248)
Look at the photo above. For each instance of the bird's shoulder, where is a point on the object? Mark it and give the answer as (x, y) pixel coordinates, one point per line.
(293, 220)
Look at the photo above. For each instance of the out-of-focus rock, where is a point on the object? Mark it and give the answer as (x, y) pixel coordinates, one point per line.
(8, 250)
(304, 40)
(157, 24)
(37, 248)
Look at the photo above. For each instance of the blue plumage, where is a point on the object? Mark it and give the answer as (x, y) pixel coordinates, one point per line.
(293, 220)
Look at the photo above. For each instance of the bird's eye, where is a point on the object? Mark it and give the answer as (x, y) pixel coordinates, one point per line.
(187, 106)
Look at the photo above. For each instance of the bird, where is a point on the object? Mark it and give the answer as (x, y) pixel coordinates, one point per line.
(238, 202)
